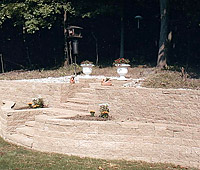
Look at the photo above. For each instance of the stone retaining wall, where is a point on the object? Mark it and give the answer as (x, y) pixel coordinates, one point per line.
(154, 105)
(171, 132)
(23, 92)
(11, 119)
(151, 142)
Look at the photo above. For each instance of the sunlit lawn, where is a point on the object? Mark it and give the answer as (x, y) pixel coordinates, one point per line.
(14, 157)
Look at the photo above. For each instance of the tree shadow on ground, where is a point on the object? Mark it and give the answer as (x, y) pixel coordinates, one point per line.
(194, 73)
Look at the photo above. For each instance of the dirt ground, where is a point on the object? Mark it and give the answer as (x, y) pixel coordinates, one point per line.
(135, 72)
(154, 78)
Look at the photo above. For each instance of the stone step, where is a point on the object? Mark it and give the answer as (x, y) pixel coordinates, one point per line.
(87, 81)
(92, 89)
(55, 112)
(94, 85)
(87, 90)
(73, 113)
(25, 130)
(83, 95)
(62, 111)
(21, 140)
(81, 100)
(75, 106)
(30, 123)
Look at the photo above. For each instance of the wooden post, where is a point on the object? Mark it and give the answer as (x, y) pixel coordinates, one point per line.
(70, 52)
(2, 66)
(74, 64)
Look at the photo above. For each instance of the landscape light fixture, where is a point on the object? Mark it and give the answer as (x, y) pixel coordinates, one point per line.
(138, 17)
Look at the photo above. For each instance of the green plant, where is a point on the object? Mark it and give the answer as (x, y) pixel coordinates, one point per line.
(36, 103)
(104, 110)
(172, 68)
(92, 112)
(121, 61)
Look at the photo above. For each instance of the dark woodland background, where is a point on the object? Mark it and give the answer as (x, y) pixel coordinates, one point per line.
(45, 48)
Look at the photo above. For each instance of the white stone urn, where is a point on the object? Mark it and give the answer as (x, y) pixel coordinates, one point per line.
(87, 69)
(122, 70)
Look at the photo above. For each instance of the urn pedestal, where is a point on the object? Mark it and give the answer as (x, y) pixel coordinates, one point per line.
(122, 70)
(87, 69)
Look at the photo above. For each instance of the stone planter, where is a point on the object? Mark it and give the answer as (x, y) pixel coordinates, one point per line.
(122, 70)
(87, 69)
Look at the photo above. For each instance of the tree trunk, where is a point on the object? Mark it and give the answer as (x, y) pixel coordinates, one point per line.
(164, 31)
(27, 50)
(122, 38)
(2, 65)
(66, 50)
(97, 50)
(122, 4)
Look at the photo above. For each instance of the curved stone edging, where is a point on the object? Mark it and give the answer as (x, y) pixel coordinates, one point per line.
(151, 142)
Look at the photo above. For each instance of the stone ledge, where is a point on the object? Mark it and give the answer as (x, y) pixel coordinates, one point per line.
(102, 139)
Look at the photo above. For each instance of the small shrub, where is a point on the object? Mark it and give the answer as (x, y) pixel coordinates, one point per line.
(86, 62)
(36, 103)
(92, 113)
(104, 110)
(121, 61)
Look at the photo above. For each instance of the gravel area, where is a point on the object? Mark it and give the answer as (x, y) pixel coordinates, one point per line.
(66, 79)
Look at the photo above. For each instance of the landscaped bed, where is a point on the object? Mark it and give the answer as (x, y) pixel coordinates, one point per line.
(88, 117)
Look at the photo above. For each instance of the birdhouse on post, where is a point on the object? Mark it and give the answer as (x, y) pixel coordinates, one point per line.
(74, 32)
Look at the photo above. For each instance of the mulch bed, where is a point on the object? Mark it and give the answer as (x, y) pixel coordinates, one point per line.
(27, 107)
(88, 117)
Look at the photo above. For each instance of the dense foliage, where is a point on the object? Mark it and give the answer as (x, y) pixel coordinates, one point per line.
(32, 36)
(33, 14)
